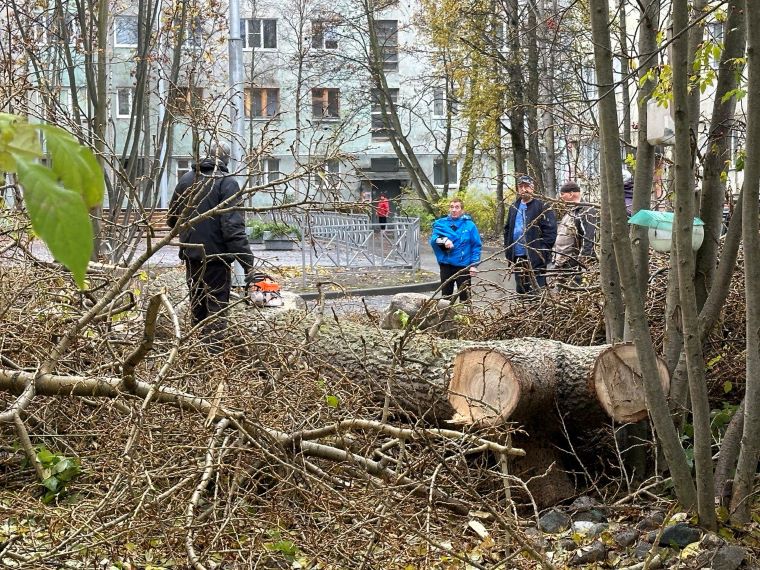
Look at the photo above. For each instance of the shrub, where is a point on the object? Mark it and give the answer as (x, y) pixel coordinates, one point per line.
(256, 227)
(281, 229)
(481, 206)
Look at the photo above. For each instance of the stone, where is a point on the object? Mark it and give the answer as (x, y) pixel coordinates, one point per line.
(584, 503)
(426, 313)
(642, 550)
(728, 557)
(680, 535)
(588, 528)
(711, 541)
(536, 538)
(652, 521)
(593, 515)
(626, 537)
(594, 552)
(554, 521)
(567, 544)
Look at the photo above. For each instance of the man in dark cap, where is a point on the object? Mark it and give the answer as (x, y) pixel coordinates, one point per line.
(529, 236)
(210, 245)
(576, 234)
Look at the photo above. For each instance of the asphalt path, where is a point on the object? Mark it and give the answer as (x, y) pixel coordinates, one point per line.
(491, 284)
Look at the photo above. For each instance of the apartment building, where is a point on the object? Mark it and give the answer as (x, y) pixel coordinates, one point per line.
(313, 124)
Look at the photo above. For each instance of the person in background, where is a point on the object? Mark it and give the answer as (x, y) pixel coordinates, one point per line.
(456, 242)
(576, 233)
(210, 245)
(383, 211)
(529, 235)
(628, 191)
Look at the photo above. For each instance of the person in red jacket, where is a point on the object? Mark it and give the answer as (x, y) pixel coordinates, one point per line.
(383, 211)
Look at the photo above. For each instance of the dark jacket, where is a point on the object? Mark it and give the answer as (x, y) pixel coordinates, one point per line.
(222, 235)
(540, 232)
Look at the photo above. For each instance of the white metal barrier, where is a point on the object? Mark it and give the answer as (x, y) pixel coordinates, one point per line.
(352, 240)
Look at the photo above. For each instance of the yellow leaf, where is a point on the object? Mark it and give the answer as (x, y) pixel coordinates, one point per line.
(690, 550)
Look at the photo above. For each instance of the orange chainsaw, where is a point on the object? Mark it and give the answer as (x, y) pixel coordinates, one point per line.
(265, 292)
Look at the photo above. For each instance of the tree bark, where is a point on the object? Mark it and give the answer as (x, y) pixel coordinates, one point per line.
(516, 104)
(682, 232)
(523, 380)
(656, 402)
(748, 455)
(717, 153)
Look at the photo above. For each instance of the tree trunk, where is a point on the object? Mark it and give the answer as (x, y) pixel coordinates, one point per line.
(650, 22)
(531, 101)
(717, 148)
(634, 301)
(521, 380)
(516, 103)
(741, 502)
(682, 232)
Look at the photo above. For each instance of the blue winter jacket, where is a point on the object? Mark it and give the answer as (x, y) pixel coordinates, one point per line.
(465, 236)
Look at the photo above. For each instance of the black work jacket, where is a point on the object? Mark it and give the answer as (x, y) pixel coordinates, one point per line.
(221, 236)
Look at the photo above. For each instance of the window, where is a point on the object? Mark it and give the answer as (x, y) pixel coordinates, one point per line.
(194, 34)
(125, 31)
(381, 129)
(184, 165)
(267, 172)
(261, 103)
(72, 34)
(327, 175)
(387, 42)
(185, 100)
(258, 33)
(324, 103)
(39, 29)
(439, 102)
(324, 35)
(438, 172)
(124, 102)
(714, 35)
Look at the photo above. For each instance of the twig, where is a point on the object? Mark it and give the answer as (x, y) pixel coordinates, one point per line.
(26, 444)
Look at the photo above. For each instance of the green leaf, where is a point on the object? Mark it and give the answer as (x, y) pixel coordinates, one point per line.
(51, 483)
(44, 456)
(285, 547)
(76, 166)
(727, 386)
(332, 401)
(19, 138)
(59, 216)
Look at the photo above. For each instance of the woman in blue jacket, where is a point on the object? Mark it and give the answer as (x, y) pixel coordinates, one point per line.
(456, 243)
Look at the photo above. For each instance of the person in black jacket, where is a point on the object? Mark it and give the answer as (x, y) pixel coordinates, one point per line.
(529, 236)
(210, 245)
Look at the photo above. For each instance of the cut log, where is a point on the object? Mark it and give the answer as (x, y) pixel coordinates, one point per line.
(524, 379)
(618, 383)
(486, 383)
